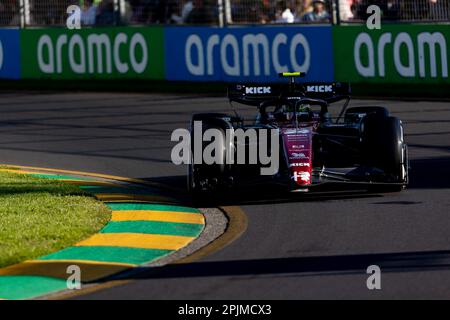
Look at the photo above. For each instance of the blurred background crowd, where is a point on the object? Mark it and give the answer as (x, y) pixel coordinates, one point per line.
(201, 12)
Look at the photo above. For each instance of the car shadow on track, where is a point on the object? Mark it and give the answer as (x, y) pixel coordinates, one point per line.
(430, 173)
(433, 173)
(300, 266)
(257, 194)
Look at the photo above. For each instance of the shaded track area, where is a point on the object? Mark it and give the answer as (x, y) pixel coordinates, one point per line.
(310, 246)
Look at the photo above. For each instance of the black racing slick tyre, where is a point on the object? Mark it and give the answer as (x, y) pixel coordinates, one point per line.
(384, 148)
(203, 178)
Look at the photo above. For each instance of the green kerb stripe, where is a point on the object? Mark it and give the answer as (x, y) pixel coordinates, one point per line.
(26, 287)
(121, 190)
(59, 177)
(148, 206)
(154, 227)
(108, 254)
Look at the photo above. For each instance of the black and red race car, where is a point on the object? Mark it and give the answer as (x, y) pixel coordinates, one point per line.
(359, 145)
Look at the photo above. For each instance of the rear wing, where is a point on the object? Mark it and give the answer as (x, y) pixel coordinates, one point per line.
(330, 92)
(255, 94)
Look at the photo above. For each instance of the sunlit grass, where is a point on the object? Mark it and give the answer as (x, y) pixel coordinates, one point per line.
(40, 216)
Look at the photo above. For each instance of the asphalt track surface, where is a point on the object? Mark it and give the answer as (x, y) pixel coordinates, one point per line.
(296, 248)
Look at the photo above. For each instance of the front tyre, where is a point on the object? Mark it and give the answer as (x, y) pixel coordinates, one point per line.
(384, 148)
(204, 179)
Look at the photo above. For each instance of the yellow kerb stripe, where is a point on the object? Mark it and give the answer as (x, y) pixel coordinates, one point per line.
(110, 197)
(91, 270)
(77, 182)
(18, 171)
(89, 174)
(137, 240)
(152, 215)
(92, 183)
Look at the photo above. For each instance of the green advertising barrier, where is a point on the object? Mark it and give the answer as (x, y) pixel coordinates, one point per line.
(103, 53)
(395, 54)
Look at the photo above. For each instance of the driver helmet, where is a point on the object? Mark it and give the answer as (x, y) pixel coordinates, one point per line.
(302, 109)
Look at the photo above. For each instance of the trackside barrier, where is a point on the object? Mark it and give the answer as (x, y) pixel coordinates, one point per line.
(103, 53)
(9, 54)
(407, 55)
(248, 54)
(395, 54)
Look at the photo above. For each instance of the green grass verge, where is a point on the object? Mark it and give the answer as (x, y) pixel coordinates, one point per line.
(40, 216)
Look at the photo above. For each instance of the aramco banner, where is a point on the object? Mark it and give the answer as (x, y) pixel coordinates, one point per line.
(402, 54)
(254, 54)
(102, 53)
(9, 54)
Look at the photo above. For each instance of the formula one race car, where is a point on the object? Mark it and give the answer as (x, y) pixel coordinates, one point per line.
(359, 145)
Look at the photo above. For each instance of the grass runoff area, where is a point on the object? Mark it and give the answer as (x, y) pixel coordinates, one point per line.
(39, 216)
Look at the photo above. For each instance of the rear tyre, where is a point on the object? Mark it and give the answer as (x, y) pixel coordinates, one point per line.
(384, 148)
